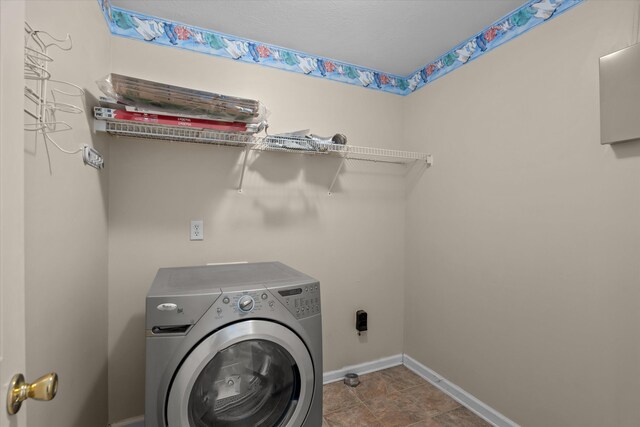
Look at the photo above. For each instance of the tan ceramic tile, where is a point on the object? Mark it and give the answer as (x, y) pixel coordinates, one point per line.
(461, 417)
(394, 397)
(396, 406)
(401, 378)
(372, 386)
(432, 400)
(337, 396)
(357, 416)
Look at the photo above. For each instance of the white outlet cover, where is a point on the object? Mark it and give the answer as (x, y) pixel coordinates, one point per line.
(197, 230)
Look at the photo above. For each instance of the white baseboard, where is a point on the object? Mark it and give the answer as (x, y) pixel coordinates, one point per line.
(130, 422)
(480, 408)
(363, 368)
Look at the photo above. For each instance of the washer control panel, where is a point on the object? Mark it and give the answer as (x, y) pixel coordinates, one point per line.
(244, 303)
(302, 301)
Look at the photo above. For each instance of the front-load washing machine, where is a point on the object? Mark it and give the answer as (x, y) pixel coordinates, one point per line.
(236, 345)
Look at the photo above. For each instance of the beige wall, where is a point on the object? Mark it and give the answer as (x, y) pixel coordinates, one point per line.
(523, 241)
(352, 241)
(66, 234)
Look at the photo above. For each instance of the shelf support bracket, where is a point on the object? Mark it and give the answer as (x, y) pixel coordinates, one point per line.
(335, 178)
(244, 167)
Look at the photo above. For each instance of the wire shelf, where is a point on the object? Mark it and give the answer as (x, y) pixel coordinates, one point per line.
(171, 133)
(269, 143)
(372, 154)
(103, 122)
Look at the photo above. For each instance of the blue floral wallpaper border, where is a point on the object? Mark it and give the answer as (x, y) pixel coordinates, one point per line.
(160, 31)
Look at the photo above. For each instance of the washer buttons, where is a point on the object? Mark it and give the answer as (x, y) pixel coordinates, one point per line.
(264, 296)
(225, 300)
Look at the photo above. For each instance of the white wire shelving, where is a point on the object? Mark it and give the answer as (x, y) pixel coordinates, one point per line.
(172, 133)
(250, 142)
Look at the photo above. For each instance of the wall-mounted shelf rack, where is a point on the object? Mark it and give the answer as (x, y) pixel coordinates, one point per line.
(169, 133)
(251, 142)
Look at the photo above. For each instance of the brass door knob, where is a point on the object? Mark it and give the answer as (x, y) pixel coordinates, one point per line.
(44, 388)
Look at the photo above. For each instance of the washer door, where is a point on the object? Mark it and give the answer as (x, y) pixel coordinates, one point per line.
(252, 373)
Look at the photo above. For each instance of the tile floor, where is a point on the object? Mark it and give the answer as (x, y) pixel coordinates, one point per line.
(394, 397)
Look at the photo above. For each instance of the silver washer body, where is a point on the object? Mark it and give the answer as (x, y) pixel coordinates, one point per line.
(194, 315)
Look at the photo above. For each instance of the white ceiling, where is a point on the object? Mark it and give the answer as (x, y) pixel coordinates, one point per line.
(394, 36)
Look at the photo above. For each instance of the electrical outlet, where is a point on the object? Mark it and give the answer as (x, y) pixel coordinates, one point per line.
(197, 230)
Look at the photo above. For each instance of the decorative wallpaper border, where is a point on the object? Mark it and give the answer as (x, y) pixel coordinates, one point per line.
(125, 23)
(518, 22)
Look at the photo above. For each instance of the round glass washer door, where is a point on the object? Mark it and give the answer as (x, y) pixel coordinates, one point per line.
(252, 373)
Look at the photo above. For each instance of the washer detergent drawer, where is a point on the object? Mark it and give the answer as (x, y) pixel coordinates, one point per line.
(176, 310)
(252, 373)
